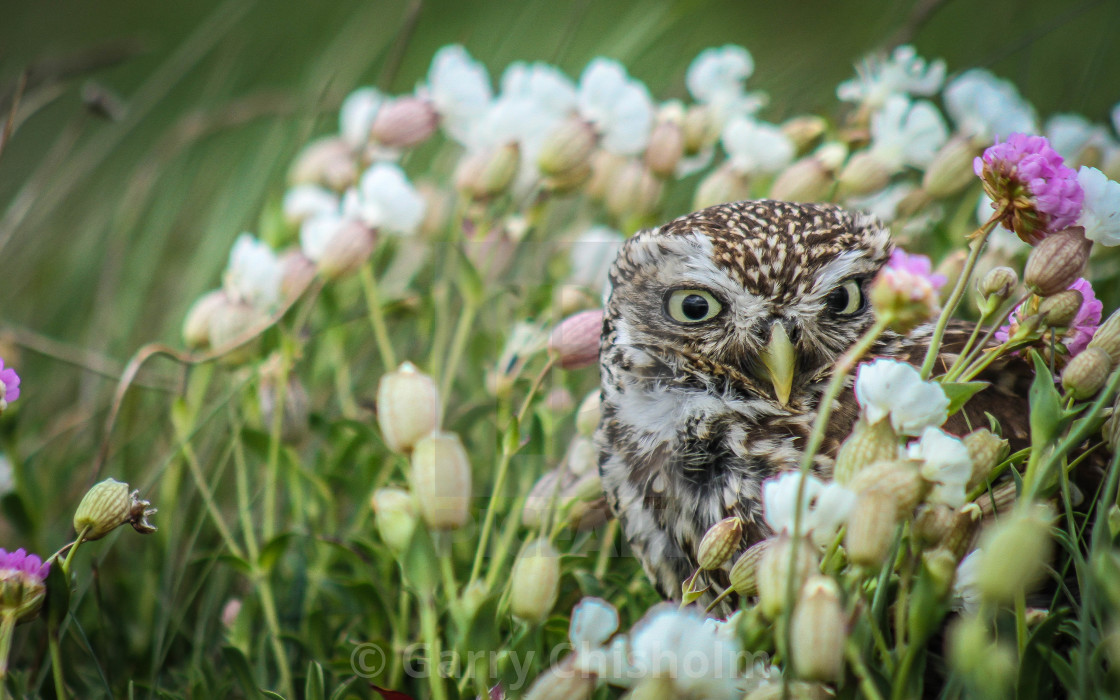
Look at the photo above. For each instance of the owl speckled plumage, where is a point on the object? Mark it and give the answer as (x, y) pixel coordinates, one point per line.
(720, 333)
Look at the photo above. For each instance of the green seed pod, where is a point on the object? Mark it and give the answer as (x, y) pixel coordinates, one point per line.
(719, 543)
(1086, 373)
(1057, 261)
(104, 508)
(819, 631)
(535, 581)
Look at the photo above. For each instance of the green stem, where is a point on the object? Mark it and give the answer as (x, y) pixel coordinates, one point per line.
(400, 634)
(7, 629)
(606, 547)
(969, 354)
(377, 318)
(56, 664)
(458, 345)
(73, 548)
(491, 512)
(268, 605)
(272, 473)
(431, 638)
(954, 300)
(860, 669)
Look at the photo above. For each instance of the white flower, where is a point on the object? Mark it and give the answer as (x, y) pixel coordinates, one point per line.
(984, 107)
(677, 645)
(825, 507)
(317, 231)
(965, 590)
(459, 88)
(7, 481)
(385, 200)
(1100, 214)
(945, 463)
(889, 387)
(756, 147)
(884, 203)
(1071, 134)
(829, 513)
(716, 78)
(253, 274)
(904, 73)
(618, 106)
(594, 620)
(305, 201)
(356, 116)
(907, 133)
(591, 256)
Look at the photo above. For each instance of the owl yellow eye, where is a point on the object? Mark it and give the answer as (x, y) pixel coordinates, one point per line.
(691, 305)
(846, 299)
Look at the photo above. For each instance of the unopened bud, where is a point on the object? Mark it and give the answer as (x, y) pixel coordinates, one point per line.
(654, 688)
(229, 323)
(562, 682)
(575, 340)
(329, 162)
(350, 247)
(819, 631)
(605, 166)
(1107, 337)
(700, 129)
(634, 192)
(774, 572)
(932, 523)
(798, 690)
(869, 443)
(404, 122)
(441, 480)
(962, 533)
(986, 450)
(998, 285)
(744, 572)
(587, 416)
(871, 528)
(1014, 553)
(719, 543)
(1059, 310)
(951, 168)
(297, 271)
(485, 173)
(104, 508)
(721, 185)
(407, 407)
(666, 148)
(582, 456)
(1057, 261)
(396, 516)
(807, 180)
(804, 131)
(568, 147)
(559, 401)
(863, 174)
(1086, 373)
(899, 480)
(988, 666)
(196, 325)
(230, 612)
(535, 581)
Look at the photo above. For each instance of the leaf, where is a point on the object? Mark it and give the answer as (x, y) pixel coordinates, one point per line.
(315, 688)
(420, 563)
(57, 602)
(239, 665)
(340, 691)
(1046, 406)
(960, 392)
(272, 551)
(511, 438)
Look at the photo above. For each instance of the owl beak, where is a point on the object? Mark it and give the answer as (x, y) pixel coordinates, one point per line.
(780, 360)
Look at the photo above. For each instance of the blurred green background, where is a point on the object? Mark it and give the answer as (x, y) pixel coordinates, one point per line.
(110, 228)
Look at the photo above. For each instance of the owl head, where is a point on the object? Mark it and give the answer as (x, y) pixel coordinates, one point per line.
(765, 294)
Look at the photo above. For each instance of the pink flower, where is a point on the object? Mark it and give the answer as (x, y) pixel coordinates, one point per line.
(905, 290)
(20, 563)
(22, 584)
(1031, 189)
(575, 341)
(9, 383)
(1079, 332)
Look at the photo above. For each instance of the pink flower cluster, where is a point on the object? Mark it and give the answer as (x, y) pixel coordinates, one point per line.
(1080, 331)
(20, 562)
(1030, 186)
(905, 290)
(10, 381)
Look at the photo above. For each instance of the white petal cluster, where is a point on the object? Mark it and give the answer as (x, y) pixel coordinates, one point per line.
(905, 133)
(317, 232)
(945, 463)
(755, 147)
(619, 107)
(717, 78)
(1100, 214)
(1071, 134)
(679, 646)
(253, 274)
(459, 88)
(385, 200)
(594, 620)
(356, 116)
(304, 202)
(985, 107)
(887, 387)
(965, 590)
(903, 73)
(825, 507)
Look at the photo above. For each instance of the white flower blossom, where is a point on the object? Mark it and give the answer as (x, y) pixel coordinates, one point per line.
(717, 77)
(883, 204)
(253, 274)
(907, 133)
(459, 88)
(7, 480)
(965, 590)
(887, 387)
(594, 620)
(385, 200)
(591, 256)
(825, 507)
(829, 513)
(755, 147)
(1100, 214)
(356, 116)
(945, 463)
(678, 646)
(1071, 134)
(305, 201)
(904, 73)
(984, 107)
(318, 231)
(619, 107)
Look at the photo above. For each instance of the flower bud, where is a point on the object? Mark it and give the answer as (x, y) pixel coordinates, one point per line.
(988, 666)
(562, 682)
(932, 523)
(1014, 553)
(807, 180)
(654, 688)
(1057, 261)
(587, 416)
(804, 131)
(485, 173)
(700, 129)
(404, 122)
(569, 180)
(863, 174)
(22, 584)
(559, 401)
(347, 250)
(229, 323)
(819, 632)
(396, 516)
(441, 480)
(104, 508)
(297, 271)
(871, 528)
(604, 170)
(951, 168)
(1086, 373)
(986, 450)
(719, 543)
(329, 162)
(998, 285)
(407, 407)
(666, 148)
(744, 573)
(899, 480)
(575, 340)
(568, 147)
(634, 192)
(230, 612)
(798, 690)
(582, 456)
(535, 581)
(1059, 310)
(962, 533)
(774, 572)
(869, 443)
(721, 185)
(196, 325)
(1107, 337)
(585, 503)
(570, 298)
